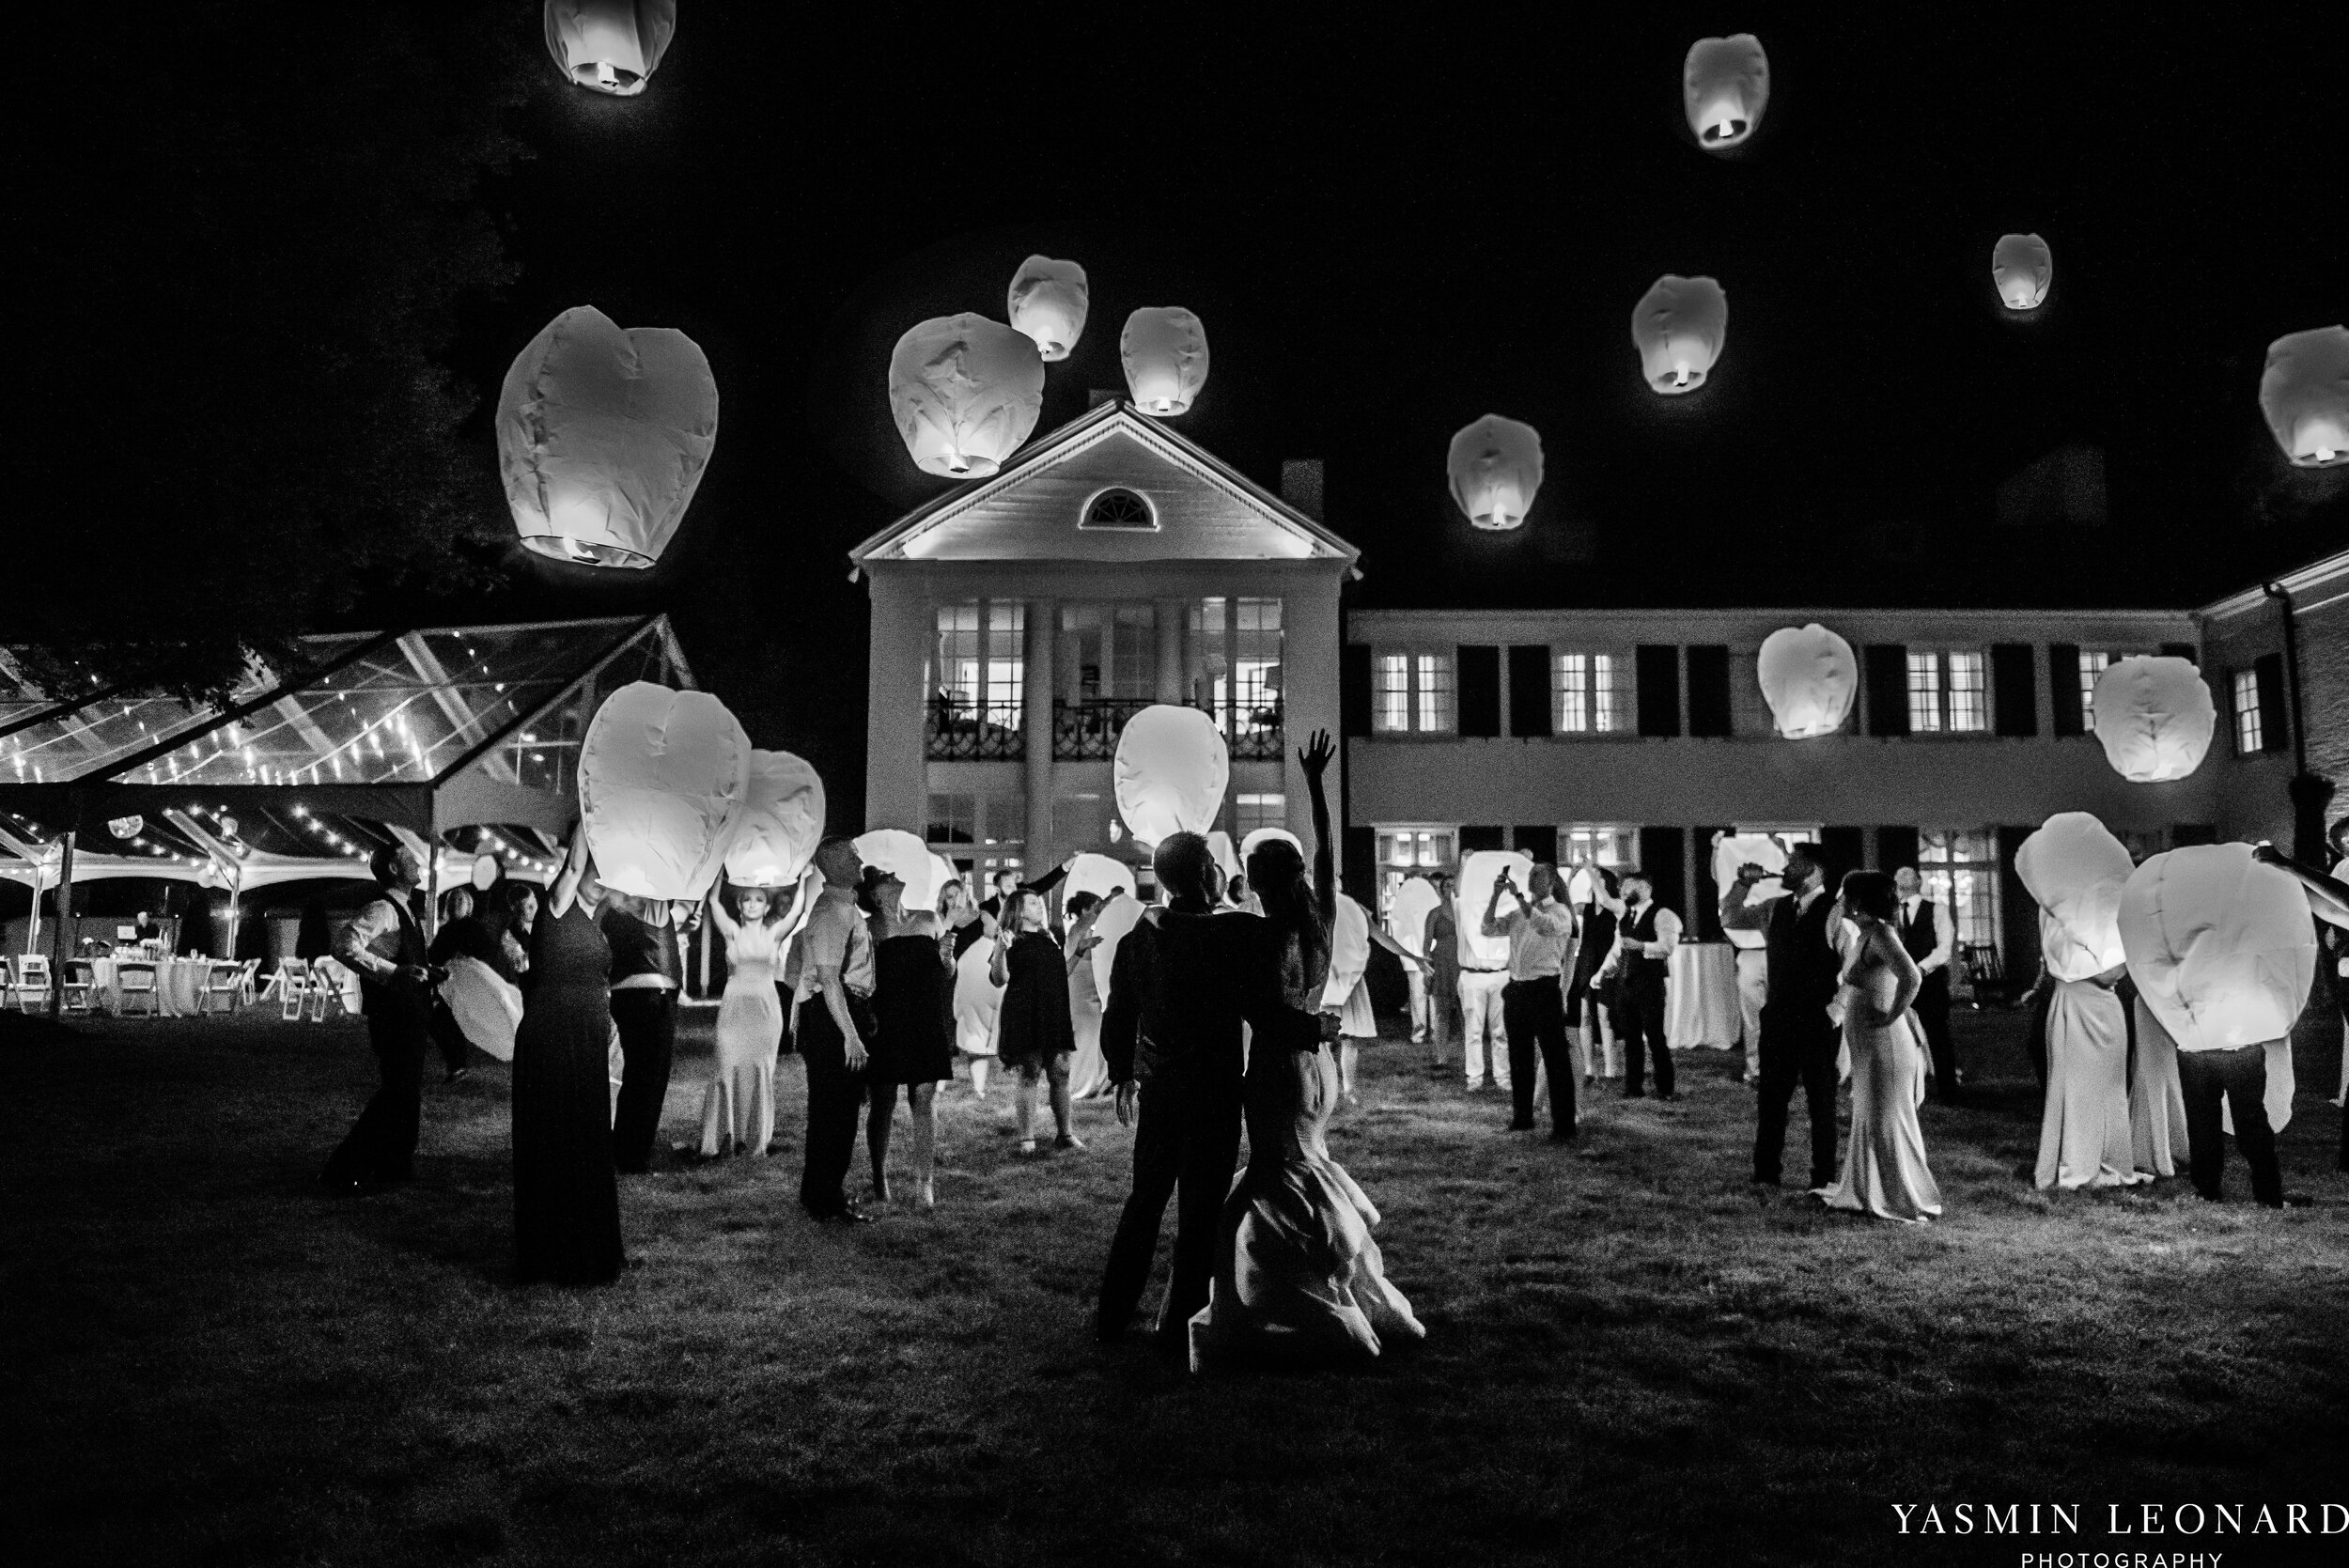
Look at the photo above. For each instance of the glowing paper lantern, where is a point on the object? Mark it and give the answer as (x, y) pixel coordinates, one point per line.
(978, 1000)
(2304, 392)
(126, 826)
(2220, 946)
(1349, 952)
(610, 46)
(1164, 349)
(1265, 835)
(1809, 678)
(1749, 849)
(1726, 84)
(1111, 925)
(663, 779)
(783, 821)
(964, 393)
(1048, 299)
(1406, 914)
(2022, 266)
(488, 1008)
(1220, 846)
(1099, 875)
(1495, 469)
(603, 434)
(485, 873)
(1474, 891)
(908, 858)
(2154, 717)
(1169, 771)
(2074, 869)
(1679, 328)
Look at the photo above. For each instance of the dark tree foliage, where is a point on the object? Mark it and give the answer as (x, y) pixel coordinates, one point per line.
(255, 231)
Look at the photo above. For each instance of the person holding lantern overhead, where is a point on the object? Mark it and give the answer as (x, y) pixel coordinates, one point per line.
(566, 1199)
(739, 1107)
(1799, 1037)
(386, 946)
(647, 976)
(1299, 1281)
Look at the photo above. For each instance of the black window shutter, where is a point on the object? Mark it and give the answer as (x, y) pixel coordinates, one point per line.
(1540, 842)
(1659, 667)
(1703, 915)
(1708, 688)
(2182, 651)
(2063, 688)
(1888, 689)
(1528, 689)
(1476, 836)
(1659, 862)
(2018, 915)
(1479, 670)
(1896, 846)
(1354, 688)
(1362, 867)
(1845, 849)
(2015, 688)
(2275, 710)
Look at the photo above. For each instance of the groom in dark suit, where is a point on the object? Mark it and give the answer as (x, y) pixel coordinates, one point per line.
(1183, 980)
(1798, 1039)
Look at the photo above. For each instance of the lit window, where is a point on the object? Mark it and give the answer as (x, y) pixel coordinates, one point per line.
(981, 663)
(1119, 509)
(1413, 848)
(1393, 698)
(1432, 710)
(2091, 665)
(1959, 869)
(1970, 690)
(1251, 812)
(954, 818)
(1948, 692)
(1607, 844)
(1412, 694)
(1924, 693)
(1582, 689)
(2251, 736)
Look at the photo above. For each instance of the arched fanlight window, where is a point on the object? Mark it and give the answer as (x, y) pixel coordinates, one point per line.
(1119, 509)
(2304, 393)
(1725, 84)
(610, 46)
(2022, 266)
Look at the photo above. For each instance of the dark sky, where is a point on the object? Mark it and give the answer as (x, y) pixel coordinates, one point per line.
(1391, 232)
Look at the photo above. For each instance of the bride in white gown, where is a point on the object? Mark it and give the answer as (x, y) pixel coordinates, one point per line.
(1884, 1172)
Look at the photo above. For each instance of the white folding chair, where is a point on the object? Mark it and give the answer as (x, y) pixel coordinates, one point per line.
(224, 985)
(28, 982)
(326, 989)
(137, 979)
(293, 981)
(81, 986)
(246, 994)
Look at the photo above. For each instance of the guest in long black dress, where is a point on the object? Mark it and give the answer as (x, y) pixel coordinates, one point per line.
(914, 1047)
(1034, 1036)
(567, 1201)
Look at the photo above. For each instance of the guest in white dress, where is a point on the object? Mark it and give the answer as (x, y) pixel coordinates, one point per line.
(739, 1107)
(2156, 1096)
(978, 1008)
(1885, 1173)
(1088, 1069)
(2084, 1135)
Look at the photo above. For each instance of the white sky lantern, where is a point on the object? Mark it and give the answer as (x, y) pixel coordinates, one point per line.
(1048, 301)
(663, 777)
(1164, 349)
(2154, 717)
(1749, 849)
(611, 46)
(1407, 916)
(1726, 84)
(965, 392)
(783, 821)
(904, 856)
(2305, 395)
(1495, 469)
(2022, 266)
(1265, 835)
(1097, 875)
(2220, 946)
(1679, 327)
(1349, 952)
(1474, 890)
(2075, 870)
(1226, 858)
(1170, 772)
(1808, 676)
(603, 434)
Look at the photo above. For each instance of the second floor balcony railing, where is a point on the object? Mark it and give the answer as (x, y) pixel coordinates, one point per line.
(960, 731)
(1087, 730)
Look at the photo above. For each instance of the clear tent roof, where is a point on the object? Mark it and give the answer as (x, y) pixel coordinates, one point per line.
(360, 708)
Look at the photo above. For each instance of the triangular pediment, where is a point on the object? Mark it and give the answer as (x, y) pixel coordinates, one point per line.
(1199, 509)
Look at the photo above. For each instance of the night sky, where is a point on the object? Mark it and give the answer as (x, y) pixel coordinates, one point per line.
(1390, 233)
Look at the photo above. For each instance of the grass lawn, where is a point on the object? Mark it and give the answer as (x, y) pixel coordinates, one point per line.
(1633, 1357)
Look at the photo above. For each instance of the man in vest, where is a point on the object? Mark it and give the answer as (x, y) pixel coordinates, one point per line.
(386, 946)
(1645, 935)
(1799, 1038)
(1931, 937)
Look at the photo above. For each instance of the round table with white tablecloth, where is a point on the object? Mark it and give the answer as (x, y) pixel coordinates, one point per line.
(179, 984)
(1702, 1008)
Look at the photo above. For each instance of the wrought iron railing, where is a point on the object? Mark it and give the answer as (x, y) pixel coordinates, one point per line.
(959, 731)
(1087, 730)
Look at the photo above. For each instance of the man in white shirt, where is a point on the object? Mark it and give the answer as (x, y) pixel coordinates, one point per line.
(1645, 939)
(1931, 937)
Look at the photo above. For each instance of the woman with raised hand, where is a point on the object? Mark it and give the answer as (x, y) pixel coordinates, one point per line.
(1884, 1172)
(739, 1107)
